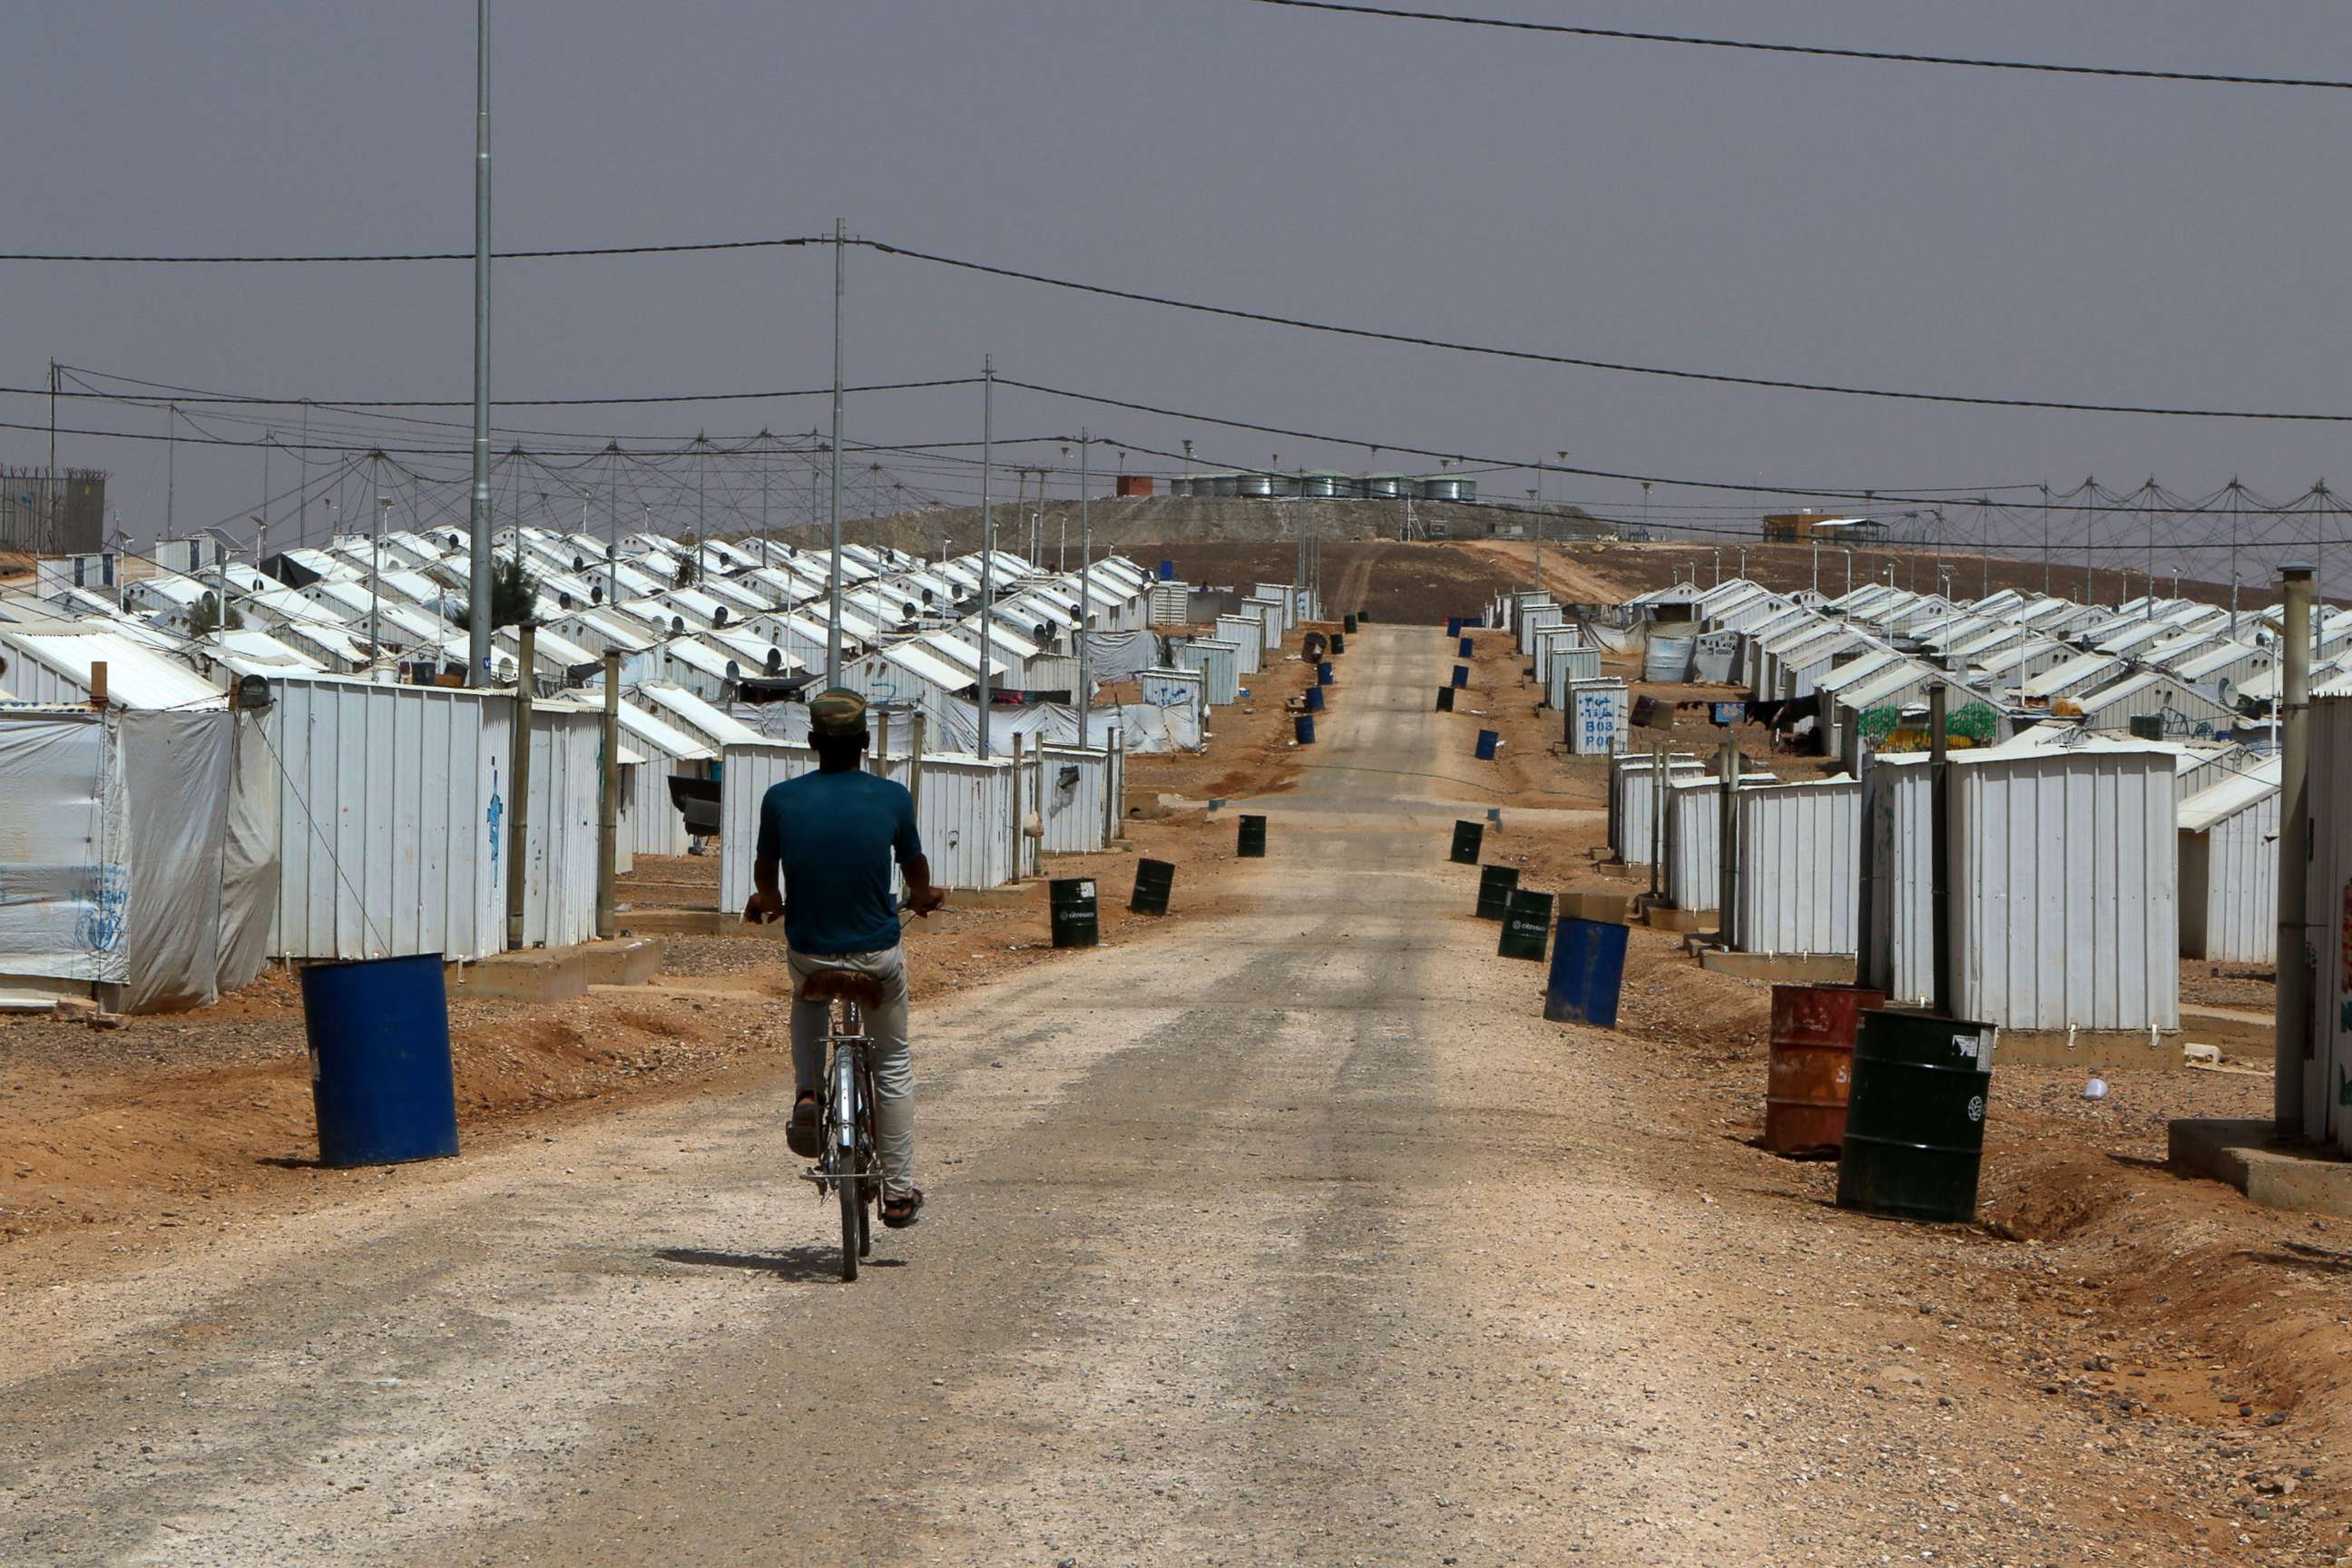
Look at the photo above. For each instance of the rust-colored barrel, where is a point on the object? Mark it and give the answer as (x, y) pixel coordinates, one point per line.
(1811, 1066)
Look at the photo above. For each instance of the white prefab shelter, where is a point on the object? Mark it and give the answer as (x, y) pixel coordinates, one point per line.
(392, 800)
(2065, 890)
(2327, 911)
(653, 826)
(135, 854)
(1630, 797)
(2229, 869)
(1247, 634)
(963, 809)
(1071, 792)
(1599, 716)
(1800, 849)
(1898, 918)
(1219, 664)
(1693, 827)
(567, 751)
(1569, 666)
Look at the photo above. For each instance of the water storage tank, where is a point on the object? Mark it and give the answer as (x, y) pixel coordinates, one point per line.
(1323, 484)
(1445, 487)
(1255, 485)
(1218, 485)
(1180, 486)
(1383, 487)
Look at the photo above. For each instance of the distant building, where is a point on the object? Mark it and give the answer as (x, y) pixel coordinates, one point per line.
(1796, 527)
(1135, 484)
(45, 513)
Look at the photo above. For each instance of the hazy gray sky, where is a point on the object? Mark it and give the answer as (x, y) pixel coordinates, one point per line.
(1884, 224)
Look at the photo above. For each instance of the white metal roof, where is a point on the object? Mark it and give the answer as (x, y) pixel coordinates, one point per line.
(689, 712)
(136, 675)
(650, 727)
(2209, 807)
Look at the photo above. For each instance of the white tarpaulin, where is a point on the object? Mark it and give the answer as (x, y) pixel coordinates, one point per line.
(136, 850)
(1121, 656)
(1178, 688)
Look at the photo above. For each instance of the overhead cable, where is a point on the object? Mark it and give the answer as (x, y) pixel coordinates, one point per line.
(1824, 51)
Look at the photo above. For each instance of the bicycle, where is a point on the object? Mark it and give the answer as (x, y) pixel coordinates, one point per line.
(849, 1157)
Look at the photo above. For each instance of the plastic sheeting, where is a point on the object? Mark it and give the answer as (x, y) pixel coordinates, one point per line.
(1183, 690)
(1122, 656)
(1668, 658)
(138, 852)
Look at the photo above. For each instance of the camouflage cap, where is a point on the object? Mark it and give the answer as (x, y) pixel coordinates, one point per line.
(837, 713)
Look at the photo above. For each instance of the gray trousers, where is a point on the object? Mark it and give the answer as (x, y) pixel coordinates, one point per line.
(894, 1069)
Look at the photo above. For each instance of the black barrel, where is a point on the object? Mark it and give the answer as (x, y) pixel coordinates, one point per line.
(1251, 846)
(1076, 921)
(1496, 885)
(1154, 880)
(1349, 622)
(1339, 643)
(1527, 923)
(1468, 837)
(1445, 699)
(1914, 1117)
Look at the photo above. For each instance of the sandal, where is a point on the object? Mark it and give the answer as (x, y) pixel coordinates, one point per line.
(801, 1136)
(901, 1211)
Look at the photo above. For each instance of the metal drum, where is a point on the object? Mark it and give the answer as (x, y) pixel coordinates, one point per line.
(1315, 699)
(1445, 699)
(1915, 1119)
(1075, 920)
(1487, 741)
(1454, 626)
(1466, 651)
(1812, 1065)
(1496, 885)
(1302, 729)
(1460, 676)
(1323, 673)
(380, 1074)
(1348, 623)
(1588, 972)
(1527, 926)
(1250, 844)
(1154, 881)
(1340, 640)
(1468, 837)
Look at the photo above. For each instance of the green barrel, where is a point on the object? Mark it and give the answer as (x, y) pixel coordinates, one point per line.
(1251, 846)
(1914, 1117)
(1527, 923)
(1154, 880)
(1496, 885)
(1468, 837)
(1075, 920)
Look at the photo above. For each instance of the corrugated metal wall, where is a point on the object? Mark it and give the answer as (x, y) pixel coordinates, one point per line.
(1247, 634)
(2327, 1088)
(389, 819)
(1072, 789)
(2229, 887)
(1600, 716)
(963, 809)
(1570, 665)
(1630, 817)
(2066, 892)
(1534, 618)
(1800, 849)
(1219, 662)
(1896, 957)
(559, 906)
(1693, 877)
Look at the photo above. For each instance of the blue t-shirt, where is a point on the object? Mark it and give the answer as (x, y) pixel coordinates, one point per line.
(835, 835)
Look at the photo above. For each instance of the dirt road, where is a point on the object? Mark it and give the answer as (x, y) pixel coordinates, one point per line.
(1292, 1236)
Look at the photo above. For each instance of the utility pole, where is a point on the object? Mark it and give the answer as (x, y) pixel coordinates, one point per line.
(375, 571)
(833, 621)
(988, 556)
(1086, 564)
(2293, 1038)
(612, 531)
(171, 469)
(2045, 541)
(49, 490)
(478, 621)
(1535, 508)
(609, 805)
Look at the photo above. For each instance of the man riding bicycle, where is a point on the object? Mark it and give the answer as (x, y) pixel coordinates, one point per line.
(832, 833)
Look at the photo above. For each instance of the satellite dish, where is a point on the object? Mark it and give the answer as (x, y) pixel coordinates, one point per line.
(253, 691)
(721, 618)
(734, 670)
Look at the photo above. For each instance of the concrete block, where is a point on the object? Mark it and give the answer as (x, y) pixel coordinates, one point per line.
(1665, 917)
(2249, 1156)
(630, 961)
(550, 974)
(2088, 1048)
(1614, 909)
(1783, 968)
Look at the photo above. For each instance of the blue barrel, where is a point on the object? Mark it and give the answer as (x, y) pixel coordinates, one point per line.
(1168, 570)
(1465, 651)
(380, 1074)
(1305, 727)
(1315, 699)
(1323, 673)
(1454, 626)
(1588, 969)
(1487, 741)
(1462, 675)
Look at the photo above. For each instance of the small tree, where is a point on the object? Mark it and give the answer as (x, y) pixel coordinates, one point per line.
(206, 618)
(689, 565)
(514, 594)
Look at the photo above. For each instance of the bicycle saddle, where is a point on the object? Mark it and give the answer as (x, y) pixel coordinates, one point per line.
(848, 984)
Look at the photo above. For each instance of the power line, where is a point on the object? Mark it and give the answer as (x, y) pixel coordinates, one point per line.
(363, 257)
(1621, 35)
(1535, 356)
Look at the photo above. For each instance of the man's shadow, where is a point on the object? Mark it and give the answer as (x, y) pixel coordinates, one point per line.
(809, 1265)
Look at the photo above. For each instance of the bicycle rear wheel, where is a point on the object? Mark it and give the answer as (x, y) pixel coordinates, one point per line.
(853, 1223)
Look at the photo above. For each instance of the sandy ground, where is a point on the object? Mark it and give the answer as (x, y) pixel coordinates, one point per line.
(1286, 1232)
